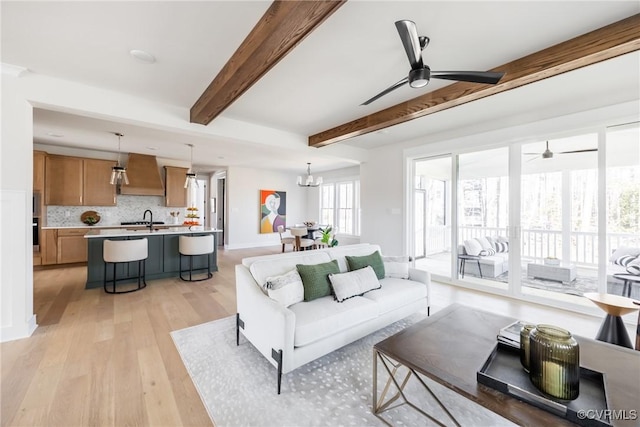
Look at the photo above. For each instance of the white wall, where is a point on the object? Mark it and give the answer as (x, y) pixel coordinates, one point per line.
(16, 187)
(243, 204)
(382, 201)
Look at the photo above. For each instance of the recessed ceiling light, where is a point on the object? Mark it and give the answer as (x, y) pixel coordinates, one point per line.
(143, 56)
(55, 135)
(152, 148)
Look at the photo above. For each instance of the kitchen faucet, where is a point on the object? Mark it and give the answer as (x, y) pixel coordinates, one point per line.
(144, 216)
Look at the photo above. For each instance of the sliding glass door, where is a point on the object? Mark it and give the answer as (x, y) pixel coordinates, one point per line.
(483, 217)
(559, 216)
(622, 254)
(546, 219)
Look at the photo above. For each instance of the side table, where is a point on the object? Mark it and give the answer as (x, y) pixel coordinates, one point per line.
(463, 260)
(628, 280)
(612, 329)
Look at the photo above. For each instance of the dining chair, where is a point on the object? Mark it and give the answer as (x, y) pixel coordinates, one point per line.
(286, 240)
(301, 241)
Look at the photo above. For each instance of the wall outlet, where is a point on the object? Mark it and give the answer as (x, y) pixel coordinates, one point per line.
(67, 214)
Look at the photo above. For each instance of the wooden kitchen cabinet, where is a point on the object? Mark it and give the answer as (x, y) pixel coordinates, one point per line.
(72, 246)
(96, 189)
(63, 180)
(175, 194)
(63, 245)
(38, 171)
(49, 246)
(75, 181)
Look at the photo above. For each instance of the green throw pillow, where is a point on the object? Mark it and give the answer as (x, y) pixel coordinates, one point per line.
(315, 279)
(374, 260)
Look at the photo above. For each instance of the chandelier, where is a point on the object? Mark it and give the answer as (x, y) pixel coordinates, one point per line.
(309, 181)
(119, 173)
(190, 180)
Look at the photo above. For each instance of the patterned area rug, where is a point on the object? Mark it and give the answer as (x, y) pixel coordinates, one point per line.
(238, 385)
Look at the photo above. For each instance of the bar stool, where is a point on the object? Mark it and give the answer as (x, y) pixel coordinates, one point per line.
(119, 251)
(193, 246)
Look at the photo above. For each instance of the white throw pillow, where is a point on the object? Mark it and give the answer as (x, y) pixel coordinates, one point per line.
(473, 247)
(286, 289)
(484, 242)
(396, 266)
(353, 283)
(503, 239)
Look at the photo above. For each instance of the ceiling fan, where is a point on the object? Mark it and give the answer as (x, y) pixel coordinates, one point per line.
(548, 154)
(420, 74)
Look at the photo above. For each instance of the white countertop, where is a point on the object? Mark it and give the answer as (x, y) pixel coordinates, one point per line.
(122, 232)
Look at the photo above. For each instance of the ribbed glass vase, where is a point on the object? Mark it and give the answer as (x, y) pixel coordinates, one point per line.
(554, 362)
(524, 345)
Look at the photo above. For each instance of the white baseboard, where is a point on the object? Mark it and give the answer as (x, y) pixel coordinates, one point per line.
(12, 333)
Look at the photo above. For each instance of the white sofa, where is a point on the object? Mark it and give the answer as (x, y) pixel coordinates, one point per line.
(492, 265)
(291, 337)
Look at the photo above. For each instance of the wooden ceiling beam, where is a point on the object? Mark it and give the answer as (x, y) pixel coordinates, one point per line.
(281, 28)
(599, 45)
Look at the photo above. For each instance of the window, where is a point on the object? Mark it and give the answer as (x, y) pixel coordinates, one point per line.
(340, 206)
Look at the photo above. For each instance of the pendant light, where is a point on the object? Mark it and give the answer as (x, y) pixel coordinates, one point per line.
(309, 181)
(190, 180)
(119, 173)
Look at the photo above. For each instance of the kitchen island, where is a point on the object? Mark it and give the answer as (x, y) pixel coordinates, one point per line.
(163, 260)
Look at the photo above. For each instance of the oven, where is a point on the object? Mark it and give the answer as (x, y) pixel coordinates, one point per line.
(36, 228)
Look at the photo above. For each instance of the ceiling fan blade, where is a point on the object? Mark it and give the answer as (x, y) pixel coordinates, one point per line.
(411, 42)
(386, 91)
(579, 151)
(532, 154)
(490, 77)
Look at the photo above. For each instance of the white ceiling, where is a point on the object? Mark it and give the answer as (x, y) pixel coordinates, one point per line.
(352, 56)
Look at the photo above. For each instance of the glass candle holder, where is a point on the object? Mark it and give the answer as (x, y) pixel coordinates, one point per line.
(554, 362)
(524, 345)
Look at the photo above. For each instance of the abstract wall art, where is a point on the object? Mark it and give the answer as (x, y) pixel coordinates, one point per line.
(273, 210)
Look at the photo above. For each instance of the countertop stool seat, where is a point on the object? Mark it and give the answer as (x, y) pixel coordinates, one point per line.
(195, 246)
(121, 251)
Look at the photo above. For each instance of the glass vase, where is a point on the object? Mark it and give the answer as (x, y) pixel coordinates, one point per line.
(524, 345)
(554, 362)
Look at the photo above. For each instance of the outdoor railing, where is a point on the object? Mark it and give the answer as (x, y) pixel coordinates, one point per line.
(536, 244)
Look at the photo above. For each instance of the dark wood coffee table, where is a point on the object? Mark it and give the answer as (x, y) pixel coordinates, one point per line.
(452, 345)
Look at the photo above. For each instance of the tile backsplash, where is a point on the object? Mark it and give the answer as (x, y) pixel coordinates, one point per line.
(128, 208)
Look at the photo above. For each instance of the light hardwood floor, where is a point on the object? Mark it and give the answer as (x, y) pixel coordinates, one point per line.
(108, 360)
